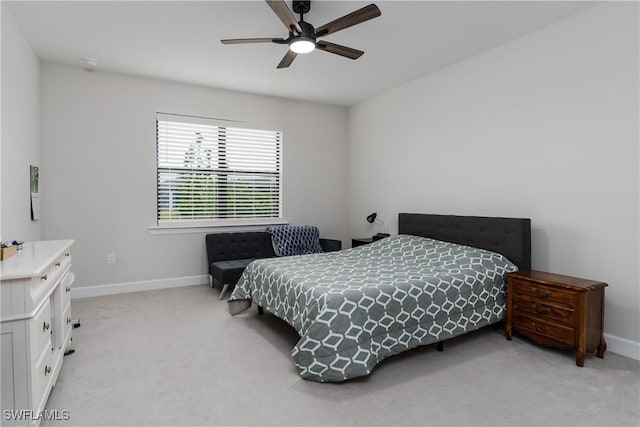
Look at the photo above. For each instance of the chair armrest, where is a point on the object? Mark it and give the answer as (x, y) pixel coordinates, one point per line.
(330, 245)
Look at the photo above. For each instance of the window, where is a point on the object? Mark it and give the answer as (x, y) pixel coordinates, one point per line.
(212, 172)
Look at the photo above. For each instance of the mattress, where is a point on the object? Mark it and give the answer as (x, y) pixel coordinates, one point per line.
(356, 307)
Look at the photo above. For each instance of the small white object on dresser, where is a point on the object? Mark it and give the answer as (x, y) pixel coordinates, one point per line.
(35, 322)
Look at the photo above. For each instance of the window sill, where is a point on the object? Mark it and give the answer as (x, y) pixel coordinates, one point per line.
(189, 229)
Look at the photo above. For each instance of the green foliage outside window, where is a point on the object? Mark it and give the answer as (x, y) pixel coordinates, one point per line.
(199, 191)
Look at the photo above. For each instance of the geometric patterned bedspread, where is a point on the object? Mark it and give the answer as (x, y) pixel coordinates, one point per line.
(356, 307)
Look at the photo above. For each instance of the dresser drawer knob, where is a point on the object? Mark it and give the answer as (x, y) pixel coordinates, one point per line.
(67, 254)
(44, 277)
(67, 289)
(45, 326)
(58, 264)
(47, 370)
(68, 320)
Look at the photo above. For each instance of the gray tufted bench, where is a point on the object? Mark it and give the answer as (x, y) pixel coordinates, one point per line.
(229, 253)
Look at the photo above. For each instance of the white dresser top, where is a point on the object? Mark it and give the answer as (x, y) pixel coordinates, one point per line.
(32, 259)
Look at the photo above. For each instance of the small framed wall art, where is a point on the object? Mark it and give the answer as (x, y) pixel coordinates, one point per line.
(35, 192)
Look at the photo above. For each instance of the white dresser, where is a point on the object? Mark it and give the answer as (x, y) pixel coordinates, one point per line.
(35, 315)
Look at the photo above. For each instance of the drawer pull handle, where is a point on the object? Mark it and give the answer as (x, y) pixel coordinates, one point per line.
(545, 310)
(47, 370)
(67, 289)
(44, 277)
(67, 254)
(58, 264)
(544, 330)
(68, 320)
(45, 326)
(542, 294)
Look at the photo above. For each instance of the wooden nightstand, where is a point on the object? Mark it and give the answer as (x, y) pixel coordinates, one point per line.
(557, 311)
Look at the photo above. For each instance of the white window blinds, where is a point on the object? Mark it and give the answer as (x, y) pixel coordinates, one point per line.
(211, 172)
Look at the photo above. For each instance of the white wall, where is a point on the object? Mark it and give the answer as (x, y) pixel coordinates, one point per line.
(20, 132)
(544, 127)
(99, 165)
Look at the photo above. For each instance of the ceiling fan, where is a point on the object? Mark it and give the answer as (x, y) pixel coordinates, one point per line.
(303, 37)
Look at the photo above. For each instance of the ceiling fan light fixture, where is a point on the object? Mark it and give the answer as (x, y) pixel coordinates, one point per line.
(302, 45)
(302, 35)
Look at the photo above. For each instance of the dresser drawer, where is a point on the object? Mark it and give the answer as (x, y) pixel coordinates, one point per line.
(43, 281)
(543, 328)
(64, 291)
(41, 374)
(542, 310)
(65, 258)
(544, 293)
(66, 328)
(40, 328)
(60, 264)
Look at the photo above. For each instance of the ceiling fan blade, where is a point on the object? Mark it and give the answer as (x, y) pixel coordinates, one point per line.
(240, 41)
(287, 60)
(283, 12)
(360, 15)
(347, 52)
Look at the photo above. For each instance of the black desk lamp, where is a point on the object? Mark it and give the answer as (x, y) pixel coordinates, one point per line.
(371, 218)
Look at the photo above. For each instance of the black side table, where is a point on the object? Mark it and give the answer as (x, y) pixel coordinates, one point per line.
(360, 241)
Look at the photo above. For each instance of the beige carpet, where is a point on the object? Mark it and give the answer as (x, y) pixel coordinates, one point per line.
(176, 357)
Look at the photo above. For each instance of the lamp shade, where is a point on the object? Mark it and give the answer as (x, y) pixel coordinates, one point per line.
(372, 217)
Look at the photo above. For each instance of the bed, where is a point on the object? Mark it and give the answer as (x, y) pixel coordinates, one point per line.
(440, 277)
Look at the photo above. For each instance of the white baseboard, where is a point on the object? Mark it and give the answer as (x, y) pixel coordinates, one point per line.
(145, 285)
(615, 344)
(622, 346)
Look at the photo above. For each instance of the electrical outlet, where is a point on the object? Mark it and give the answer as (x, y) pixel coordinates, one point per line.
(111, 258)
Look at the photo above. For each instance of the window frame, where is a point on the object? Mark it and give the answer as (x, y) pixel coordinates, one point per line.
(170, 226)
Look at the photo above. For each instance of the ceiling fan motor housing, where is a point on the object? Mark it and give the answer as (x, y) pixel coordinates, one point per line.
(307, 30)
(305, 42)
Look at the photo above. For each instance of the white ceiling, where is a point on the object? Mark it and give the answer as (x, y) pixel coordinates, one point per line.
(180, 41)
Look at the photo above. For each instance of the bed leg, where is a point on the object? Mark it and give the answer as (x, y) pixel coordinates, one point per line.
(260, 310)
(440, 346)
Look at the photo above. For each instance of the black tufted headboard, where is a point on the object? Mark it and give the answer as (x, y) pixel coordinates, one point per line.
(510, 237)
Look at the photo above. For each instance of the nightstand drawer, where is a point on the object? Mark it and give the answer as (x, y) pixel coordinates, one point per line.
(557, 332)
(544, 293)
(543, 311)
